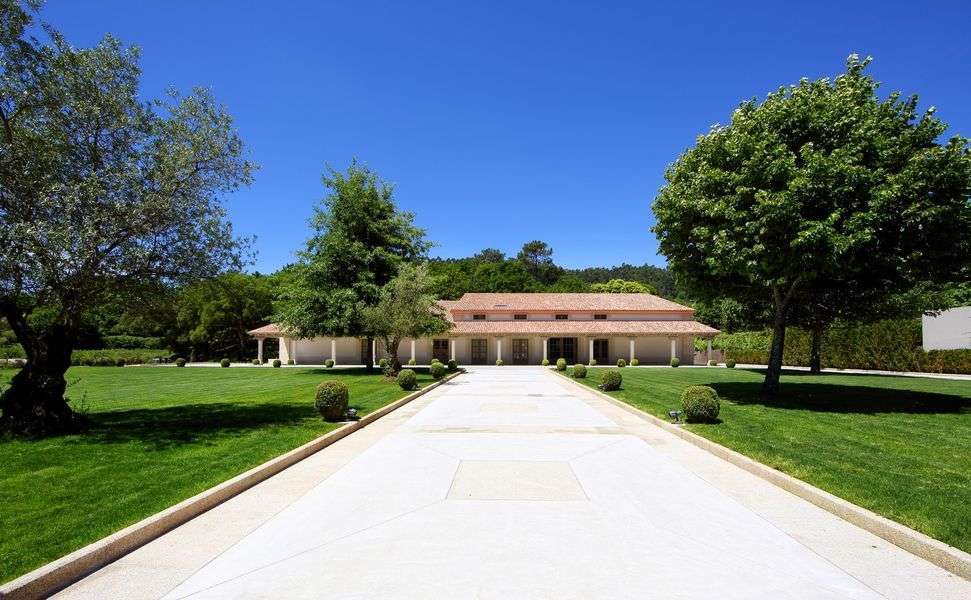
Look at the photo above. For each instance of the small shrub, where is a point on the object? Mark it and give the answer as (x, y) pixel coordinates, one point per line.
(104, 361)
(579, 371)
(593, 363)
(621, 363)
(276, 363)
(119, 362)
(383, 363)
(561, 364)
(331, 401)
(675, 362)
(256, 362)
(435, 360)
(407, 380)
(699, 404)
(712, 363)
(224, 363)
(291, 362)
(453, 366)
(611, 380)
(634, 362)
(412, 362)
(180, 362)
(546, 362)
(730, 363)
(437, 370)
(329, 363)
(499, 363)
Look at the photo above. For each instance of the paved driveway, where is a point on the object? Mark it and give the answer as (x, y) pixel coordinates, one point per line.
(513, 483)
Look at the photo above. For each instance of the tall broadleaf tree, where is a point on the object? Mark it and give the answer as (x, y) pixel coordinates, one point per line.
(821, 185)
(101, 195)
(360, 241)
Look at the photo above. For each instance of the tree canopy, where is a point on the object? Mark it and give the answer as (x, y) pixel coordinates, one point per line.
(622, 286)
(821, 184)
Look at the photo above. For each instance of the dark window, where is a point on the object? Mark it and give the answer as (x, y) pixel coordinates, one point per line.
(519, 317)
(478, 317)
(562, 317)
(479, 352)
(600, 317)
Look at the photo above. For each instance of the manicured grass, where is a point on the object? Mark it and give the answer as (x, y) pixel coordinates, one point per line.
(160, 435)
(898, 446)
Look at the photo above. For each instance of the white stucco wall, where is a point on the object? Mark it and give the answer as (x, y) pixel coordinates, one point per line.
(949, 330)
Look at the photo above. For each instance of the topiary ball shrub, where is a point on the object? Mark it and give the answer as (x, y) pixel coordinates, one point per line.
(291, 362)
(579, 371)
(675, 362)
(276, 363)
(699, 403)
(593, 363)
(611, 380)
(224, 363)
(437, 370)
(119, 362)
(180, 362)
(634, 362)
(561, 364)
(621, 363)
(329, 363)
(412, 362)
(730, 363)
(453, 366)
(546, 362)
(435, 360)
(407, 380)
(383, 363)
(256, 362)
(331, 400)
(499, 363)
(712, 363)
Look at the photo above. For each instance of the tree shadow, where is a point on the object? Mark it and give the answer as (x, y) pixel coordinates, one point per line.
(842, 398)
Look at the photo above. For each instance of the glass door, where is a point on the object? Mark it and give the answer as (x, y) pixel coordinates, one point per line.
(440, 350)
(480, 352)
(520, 352)
(601, 352)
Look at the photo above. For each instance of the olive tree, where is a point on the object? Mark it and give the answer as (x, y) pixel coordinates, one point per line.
(101, 195)
(821, 185)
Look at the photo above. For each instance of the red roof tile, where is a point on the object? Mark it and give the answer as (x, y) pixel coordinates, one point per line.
(550, 302)
(607, 327)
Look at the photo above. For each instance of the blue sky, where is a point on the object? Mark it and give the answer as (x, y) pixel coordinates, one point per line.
(505, 122)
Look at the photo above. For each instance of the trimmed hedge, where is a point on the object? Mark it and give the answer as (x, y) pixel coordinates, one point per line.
(579, 371)
(329, 363)
(453, 366)
(546, 362)
(224, 363)
(407, 380)
(561, 364)
(675, 362)
(132, 342)
(93, 358)
(634, 362)
(180, 362)
(611, 380)
(730, 364)
(437, 370)
(331, 400)
(276, 363)
(621, 363)
(12, 351)
(700, 404)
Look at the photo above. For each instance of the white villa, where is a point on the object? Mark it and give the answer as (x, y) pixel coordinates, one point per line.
(525, 328)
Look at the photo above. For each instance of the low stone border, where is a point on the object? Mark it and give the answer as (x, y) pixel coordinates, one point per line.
(57, 575)
(934, 551)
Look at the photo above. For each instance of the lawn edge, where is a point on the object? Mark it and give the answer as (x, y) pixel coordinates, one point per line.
(57, 575)
(934, 551)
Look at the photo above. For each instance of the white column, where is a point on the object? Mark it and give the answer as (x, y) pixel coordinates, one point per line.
(333, 349)
(545, 344)
(674, 347)
(498, 348)
(451, 347)
(293, 351)
(259, 350)
(412, 349)
(590, 358)
(374, 351)
(709, 350)
(631, 350)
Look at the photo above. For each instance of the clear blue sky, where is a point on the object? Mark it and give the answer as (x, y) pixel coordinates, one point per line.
(505, 122)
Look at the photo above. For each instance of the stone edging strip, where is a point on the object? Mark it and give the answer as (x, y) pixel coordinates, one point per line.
(934, 551)
(57, 575)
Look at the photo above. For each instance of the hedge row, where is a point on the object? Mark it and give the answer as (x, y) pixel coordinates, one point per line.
(12, 351)
(112, 356)
(890, 345)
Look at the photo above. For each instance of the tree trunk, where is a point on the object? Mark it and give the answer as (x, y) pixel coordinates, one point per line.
(34, 404)
(770, 387)
(369, 354)
(392, 347)
(814, 350)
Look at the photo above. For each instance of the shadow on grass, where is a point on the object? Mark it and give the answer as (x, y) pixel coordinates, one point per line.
(841, 398)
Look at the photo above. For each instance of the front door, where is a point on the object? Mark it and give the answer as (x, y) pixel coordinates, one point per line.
(565, 348)
(600, 352)
(520, 352)
(440, 350)
(480, 352)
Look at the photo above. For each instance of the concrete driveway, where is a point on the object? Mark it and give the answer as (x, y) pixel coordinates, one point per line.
(514, 483)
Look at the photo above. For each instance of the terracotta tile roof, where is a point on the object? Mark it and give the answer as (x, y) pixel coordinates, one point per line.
(271, 330)
(447, 305)
(607, 327)
(548, 302)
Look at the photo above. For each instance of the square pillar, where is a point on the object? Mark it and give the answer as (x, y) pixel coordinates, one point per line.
(631, 351)
(451, 347)
(674, 347)
(333, 350)
(545, 346)
(412, 349)
(498, 349)
(374, 351)
(293, 351)
(590, 356)
(709, 349)
(259, 350)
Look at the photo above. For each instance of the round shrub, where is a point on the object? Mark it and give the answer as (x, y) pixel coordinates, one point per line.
(437, 370)
(383, 363)
(546, 362)
(579, 371)
(499, 363)
(621, 363)
(611, 380)
(276, 363)
(256, 361)
(180, 362)
(412, 362)
(435, 360)
(329, 363)
(699, 404)
(331, 401)
(712, 363)
(407, 379)
(593, 363)
(453, 366)
(675, 362)
(634, 362)
(224, 363)
(291, 362)
(119, 362)
(730, 363)
(561, 364)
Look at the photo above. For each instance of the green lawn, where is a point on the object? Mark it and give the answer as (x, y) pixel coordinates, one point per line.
(160, 435)
(898, 446)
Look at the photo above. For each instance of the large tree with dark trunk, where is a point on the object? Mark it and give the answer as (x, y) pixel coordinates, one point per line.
(101, 195)
(821, 186)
